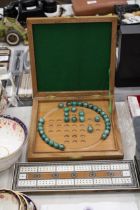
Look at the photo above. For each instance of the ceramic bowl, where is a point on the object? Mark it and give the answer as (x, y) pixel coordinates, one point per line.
(13, 135)
(9, 199)
(15, 200)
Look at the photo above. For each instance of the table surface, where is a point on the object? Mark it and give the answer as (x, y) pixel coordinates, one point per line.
(128, 140)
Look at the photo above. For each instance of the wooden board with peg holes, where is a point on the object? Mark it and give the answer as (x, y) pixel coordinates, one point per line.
(79, 144)
(75, 176)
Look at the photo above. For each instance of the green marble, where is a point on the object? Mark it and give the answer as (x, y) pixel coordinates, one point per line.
(108, 123)
(82, 119)
(68, 103)
(89, 129)
(61, 147)
(66, 114)
(107, 120)
(99, 110)
(94, 108)
(85, 104)
(102, 113)
(39, 124)
(61, 105)
(51, 143)
(81, 113)
(74, 119)
(66, 119)
(43, 136)
(40, 128)
(79, 103)
(66, 109)
(56, 145)
(106, 132)
(73, 109)
(47, 140)
(108, 127)
(41, 120)
(105, 116)
(104, 136)
(41, 132)
(74, 103)
(90, 106)
(97, 119)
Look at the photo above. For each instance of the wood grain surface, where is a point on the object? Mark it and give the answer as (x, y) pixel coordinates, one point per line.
(78, 142)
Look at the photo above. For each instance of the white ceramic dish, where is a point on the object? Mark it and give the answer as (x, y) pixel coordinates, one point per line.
(12, 200)
(9, 200)
(13, 135)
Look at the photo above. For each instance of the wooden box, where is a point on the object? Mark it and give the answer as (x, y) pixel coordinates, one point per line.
(73, 60)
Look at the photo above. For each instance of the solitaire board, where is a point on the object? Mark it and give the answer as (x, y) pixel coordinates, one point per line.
(73, 61)
(78, 142)
(75, 176)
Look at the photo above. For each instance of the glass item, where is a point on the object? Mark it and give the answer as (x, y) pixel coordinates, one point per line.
(89, 129)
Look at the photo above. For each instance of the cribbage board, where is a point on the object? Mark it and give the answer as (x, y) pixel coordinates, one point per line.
(75, 176)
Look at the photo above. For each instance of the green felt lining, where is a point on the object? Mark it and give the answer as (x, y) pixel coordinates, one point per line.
(72, 56)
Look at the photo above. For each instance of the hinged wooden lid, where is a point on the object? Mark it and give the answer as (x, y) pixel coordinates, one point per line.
(72, 55)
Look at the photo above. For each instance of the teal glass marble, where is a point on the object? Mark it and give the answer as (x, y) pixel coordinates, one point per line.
(74, 119)
(41, 132)
(102, 113)
(40, 124)
(81, 113)
(79, 103)
(41, 120)
(66, 114)
(108, 123)
(108, 127)
(61, 147)
(107, 120)
(85, 104)
(105, 116)
(74, 103)
(104, 136)
(99, 110)
(43, 136)
(68, 103)
(90, 129)
(40, 128)
(51, 143)
(66, 119)
(94, 108)
(46, 140)
(73, 109)
(97, 119)
(56, 145)
(106, 132)
(90, 106)
(61, 105)
(66, 109)
(82, 119)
